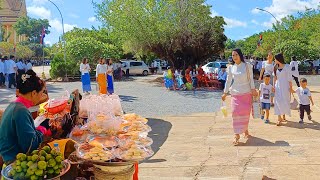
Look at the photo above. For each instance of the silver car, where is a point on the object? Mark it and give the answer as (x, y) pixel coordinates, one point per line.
(135, 67)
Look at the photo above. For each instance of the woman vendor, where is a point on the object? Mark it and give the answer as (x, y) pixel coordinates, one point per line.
(18, 133)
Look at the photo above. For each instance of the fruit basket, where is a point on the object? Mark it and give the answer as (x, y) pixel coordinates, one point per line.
(65, 169)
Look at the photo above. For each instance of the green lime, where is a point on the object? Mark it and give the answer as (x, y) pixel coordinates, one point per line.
(42, 165)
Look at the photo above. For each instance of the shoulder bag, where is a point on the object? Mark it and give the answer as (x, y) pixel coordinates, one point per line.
(256, 108)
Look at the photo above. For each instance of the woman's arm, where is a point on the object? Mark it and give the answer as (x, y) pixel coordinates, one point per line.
(28, 137)
(261, 73)
(229, 80)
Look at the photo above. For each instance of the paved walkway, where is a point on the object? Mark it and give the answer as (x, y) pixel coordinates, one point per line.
(199, 146)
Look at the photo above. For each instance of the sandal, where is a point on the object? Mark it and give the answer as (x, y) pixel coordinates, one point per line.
(279, 123)
(236, 140)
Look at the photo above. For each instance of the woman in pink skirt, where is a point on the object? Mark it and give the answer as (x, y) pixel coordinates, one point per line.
(240, 83)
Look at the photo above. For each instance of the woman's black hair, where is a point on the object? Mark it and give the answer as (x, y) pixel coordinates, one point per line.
(239, 53)
(293, 58)
(279, 57)
(29, 82)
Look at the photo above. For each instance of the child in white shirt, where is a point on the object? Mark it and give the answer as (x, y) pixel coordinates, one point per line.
(265, 91)
(305, 97)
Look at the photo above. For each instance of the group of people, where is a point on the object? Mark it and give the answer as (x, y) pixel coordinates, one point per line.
(194, 77)
(104, 76)
(276, 90)
(11, 70)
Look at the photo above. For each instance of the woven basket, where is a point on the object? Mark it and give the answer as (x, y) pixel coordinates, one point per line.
(125, 174)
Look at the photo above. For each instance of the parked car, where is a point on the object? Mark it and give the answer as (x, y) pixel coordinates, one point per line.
(135, 67)
(213, 67)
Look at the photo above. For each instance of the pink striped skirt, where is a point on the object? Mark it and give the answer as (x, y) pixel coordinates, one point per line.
(241, 108)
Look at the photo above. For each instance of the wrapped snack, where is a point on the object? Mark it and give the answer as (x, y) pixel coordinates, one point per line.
(138, 127)
(136, 153)
(94, 153)
(79, 135)
(134, 117)
(104, 124)
(103, 142)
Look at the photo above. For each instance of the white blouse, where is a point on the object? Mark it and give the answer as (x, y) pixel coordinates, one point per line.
(101, 69)
(84, 68)
(238, 73)
(110, 70)
(268, 68)
(294, 68)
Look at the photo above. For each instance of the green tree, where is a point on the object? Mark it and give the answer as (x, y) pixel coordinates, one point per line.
(21, 51)
(175, 29)
(32, 28)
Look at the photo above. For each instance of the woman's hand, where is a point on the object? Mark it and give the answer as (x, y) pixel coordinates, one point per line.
(224, 96)
(254, 92)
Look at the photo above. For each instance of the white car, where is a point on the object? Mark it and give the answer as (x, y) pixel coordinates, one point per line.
(135, 67)
(213, 67)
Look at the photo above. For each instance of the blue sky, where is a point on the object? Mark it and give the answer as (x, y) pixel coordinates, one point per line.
(241, 17)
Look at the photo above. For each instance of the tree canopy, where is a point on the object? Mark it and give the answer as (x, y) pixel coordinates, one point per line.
(175, 29)
(293, 36)
(32, 28)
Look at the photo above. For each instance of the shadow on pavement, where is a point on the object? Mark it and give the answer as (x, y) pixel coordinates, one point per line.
(255, 141)
(312, 125)
(159, 135)
(53, 89)
(127, 98)
(201, 94)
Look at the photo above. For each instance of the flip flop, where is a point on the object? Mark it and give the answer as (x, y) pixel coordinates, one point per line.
(236, 141)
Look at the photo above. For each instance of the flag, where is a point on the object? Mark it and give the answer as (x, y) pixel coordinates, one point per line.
(260, 40)
(43, 35)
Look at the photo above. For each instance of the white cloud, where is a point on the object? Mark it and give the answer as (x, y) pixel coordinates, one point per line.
(39, 11)
(92, 19)
(232, 23)
(214, 13)
(254, 22)
(57, 26)
(47, 42)
(283, 8)
(74, 15)
(69, 27)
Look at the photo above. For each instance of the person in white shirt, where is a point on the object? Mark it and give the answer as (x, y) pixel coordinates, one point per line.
(283, 89)
(2, 72)
(101, 74)
(110, 70)
(305, 97)
(194, 74)
(28, 65)
(20, 69)
(241, 90)
(11, 71)
(222, 76)
(294, 69)
(267, 67)
(85, 76)
(265, 91)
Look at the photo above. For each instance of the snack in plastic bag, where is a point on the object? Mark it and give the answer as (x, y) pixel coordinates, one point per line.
(224, 110)
(136, 153)
(94, 153)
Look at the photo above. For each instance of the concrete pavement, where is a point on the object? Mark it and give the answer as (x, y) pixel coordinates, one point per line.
(199, 146)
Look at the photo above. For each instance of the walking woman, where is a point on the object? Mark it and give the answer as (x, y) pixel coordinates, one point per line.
(268, 68)
(241, 90)
(294, 68)
(110, 71)
(101, 76)
(85, 76)
(283, 89)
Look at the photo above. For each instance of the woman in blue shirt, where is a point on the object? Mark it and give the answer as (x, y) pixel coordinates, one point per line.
(17, 131)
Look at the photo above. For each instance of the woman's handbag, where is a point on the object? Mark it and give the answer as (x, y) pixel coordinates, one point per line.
(256, 108)
(294, 104)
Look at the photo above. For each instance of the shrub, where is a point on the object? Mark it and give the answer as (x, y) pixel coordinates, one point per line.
(59, 67)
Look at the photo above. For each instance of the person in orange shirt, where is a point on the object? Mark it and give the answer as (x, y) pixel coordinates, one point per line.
(187, 75)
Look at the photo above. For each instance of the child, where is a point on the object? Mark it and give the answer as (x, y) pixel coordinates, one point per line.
(265, 97)
(304, 96)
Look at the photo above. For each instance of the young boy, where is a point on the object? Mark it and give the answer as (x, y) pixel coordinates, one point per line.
(304, 96)
(265, 96)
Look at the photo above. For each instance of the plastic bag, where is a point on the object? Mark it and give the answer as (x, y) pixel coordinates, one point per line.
(224, 109)
(256, 108)
(294, 104)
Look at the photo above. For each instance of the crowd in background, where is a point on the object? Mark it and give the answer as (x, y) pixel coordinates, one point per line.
(11, 70)
(193, 78)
